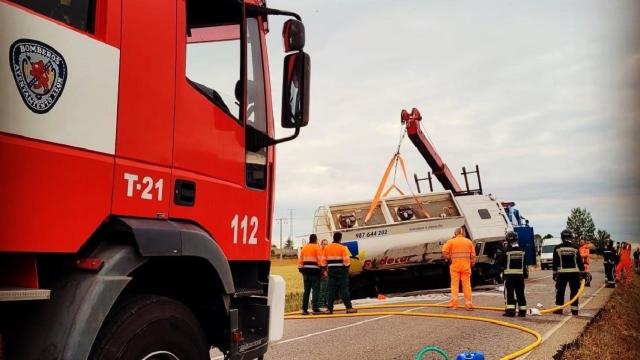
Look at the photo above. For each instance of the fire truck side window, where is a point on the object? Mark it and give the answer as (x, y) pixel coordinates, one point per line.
(77, 13)
(213, 64)
(256, 162)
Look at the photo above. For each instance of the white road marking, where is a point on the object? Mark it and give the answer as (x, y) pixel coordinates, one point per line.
(557, 327)
(345, 326)
(350, 325)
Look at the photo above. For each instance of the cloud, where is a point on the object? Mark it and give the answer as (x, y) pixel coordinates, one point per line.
(542, 95)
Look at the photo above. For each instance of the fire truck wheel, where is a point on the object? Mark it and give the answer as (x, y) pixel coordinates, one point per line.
(150, 327)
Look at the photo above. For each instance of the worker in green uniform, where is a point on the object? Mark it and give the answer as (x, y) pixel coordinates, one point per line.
(338, 262)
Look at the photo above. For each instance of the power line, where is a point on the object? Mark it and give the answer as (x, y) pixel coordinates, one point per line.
(280, 220)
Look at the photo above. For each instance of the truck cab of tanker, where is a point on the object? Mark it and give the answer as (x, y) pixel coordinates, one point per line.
(138, 139)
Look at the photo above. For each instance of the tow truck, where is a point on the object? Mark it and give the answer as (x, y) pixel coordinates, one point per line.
(138, 165)
(395, 241)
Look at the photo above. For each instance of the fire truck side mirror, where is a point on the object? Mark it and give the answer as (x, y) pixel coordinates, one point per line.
(295, 90)
(293, 35)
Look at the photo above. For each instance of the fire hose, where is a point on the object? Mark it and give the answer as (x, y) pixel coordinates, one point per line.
(513, 355)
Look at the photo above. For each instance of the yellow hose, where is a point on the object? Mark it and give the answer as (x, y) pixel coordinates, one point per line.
(560, 307)
(446, 316)
(524, 350)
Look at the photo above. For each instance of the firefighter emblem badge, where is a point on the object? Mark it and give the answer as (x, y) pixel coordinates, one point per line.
(40, 73)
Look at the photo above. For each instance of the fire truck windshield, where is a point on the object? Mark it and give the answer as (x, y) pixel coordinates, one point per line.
(256, 161)
(213, 68)
(213, 64)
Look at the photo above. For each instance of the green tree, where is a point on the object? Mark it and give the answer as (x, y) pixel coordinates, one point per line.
(581, 224)
(288, 244)
(548, 236)
(602, 236)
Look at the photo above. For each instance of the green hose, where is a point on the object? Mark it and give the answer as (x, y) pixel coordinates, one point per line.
(429, 349)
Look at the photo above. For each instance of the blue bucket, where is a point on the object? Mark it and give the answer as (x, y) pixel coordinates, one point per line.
(470, 355)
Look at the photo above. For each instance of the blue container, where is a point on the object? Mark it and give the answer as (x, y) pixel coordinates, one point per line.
(470, 355)
(527, 243)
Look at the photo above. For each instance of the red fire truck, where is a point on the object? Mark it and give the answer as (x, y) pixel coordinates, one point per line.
(137, 185)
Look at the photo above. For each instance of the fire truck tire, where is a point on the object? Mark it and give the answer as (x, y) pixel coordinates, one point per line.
(149, 327)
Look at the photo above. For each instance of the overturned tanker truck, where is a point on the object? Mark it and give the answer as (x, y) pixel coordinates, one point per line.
(396, 242)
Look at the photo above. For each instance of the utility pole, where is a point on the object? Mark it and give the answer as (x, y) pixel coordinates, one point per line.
(291, 225)
(280, 220)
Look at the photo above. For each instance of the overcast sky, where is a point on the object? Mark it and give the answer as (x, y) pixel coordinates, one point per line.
(539, 94)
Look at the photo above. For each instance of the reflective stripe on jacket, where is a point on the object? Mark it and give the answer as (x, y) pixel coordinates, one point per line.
(337, 255)
(459, 248)
(515, 263)
(585, 253)
(609, 255)
(311, 257)
(568, 260)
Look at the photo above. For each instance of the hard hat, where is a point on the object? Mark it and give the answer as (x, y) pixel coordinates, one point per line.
(511, 237)
(566, 235)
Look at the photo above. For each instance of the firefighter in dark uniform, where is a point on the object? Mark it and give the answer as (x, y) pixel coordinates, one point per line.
(610, 261)
(567, 269)
(514, 274)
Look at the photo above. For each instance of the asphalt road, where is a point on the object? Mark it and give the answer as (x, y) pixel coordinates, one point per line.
(398, 337)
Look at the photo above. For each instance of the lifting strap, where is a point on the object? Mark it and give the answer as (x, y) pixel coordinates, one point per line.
(397, 159)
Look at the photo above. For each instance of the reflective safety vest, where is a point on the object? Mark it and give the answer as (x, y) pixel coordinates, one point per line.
(609, 256)
(568, 260)
(515, 263)
(337, 255)
(585, 253)
(461, 249)
(311, 257)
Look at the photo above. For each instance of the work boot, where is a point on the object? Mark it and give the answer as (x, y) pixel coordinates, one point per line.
(522, 313)
(509, 314)
(316, 312)
(305, 312)
(327, 312)
(351, 311)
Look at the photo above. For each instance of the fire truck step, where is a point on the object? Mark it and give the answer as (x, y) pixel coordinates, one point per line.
(21, 294)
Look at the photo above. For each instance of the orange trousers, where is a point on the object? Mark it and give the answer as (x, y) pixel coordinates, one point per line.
(626, 266)
(460, 270)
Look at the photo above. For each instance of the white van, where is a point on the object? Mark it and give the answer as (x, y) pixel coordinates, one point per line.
(546, 252)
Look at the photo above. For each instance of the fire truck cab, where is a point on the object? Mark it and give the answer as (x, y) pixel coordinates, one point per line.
(138, 164)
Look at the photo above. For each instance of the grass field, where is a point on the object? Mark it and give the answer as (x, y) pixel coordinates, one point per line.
(614, 333)
(288, 269)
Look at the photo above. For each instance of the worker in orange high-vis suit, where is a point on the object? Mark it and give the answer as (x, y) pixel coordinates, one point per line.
(462, 255)
(584, 251)
(338, 262)
(624, 264)
(311, 262)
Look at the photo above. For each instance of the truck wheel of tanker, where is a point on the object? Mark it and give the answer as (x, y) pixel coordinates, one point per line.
(499, 279)
(361, 286)
(149, 327)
